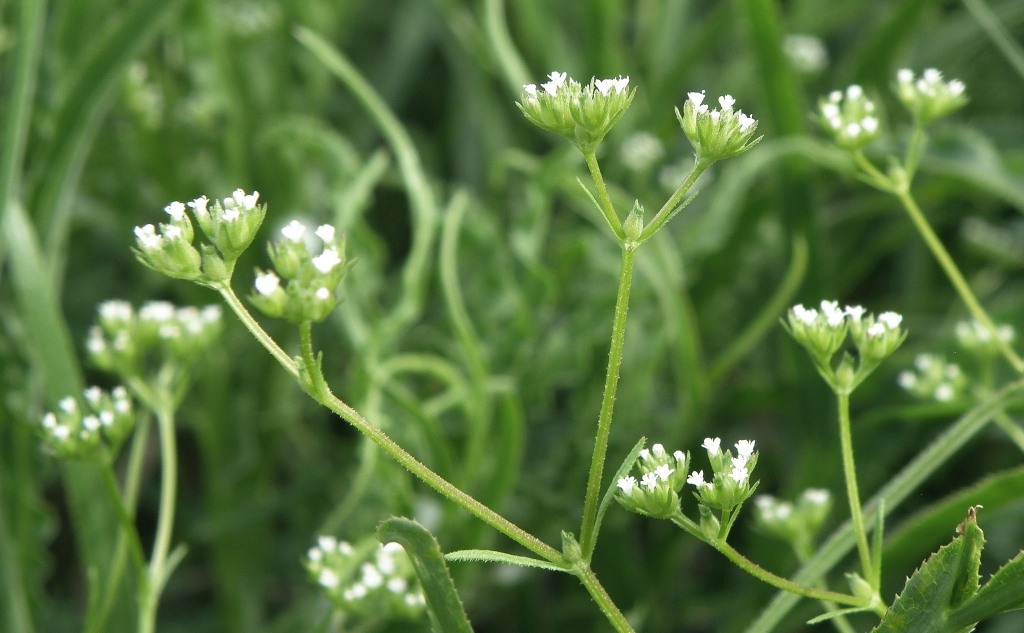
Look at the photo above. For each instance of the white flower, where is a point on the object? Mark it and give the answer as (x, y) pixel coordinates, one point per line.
(556, 80)
(712, 444)
(294, 231)
(115, 310)
(649, 481)
(93, 395)
(327, 260)
(68, 405)
(876, 329)
(147, 236)
(746, 122)
(626, 485)
(323, 294)
(231, 214)
(855, 312)
(658, 450)
(663, 472)
(239, 199)
(157, 311)
(745, 448)
(328, 578)
(869, 124)
(176, 210)
(172, 232)
(817, 496)
(267, 283)
(198, 206)
(697, 98)
(805, 316)
(739, 474)
(530, 89)
(326, 233)
(397, 585)
(606, 85)
(327, 543)
(727, 102)
(891, 320)
(371, 576)
(696, 479)
(854, 92)
(904, 75)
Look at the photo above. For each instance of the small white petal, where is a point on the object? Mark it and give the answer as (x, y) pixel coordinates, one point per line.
(294, 231)
(326, 233)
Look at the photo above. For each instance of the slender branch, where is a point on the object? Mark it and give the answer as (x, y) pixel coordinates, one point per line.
(956, 278)
(588, 528)
(390, 447)
(761, 573)
(603, 600)
(667, 209)
(852, 492)
(607, 208)
(157, 576)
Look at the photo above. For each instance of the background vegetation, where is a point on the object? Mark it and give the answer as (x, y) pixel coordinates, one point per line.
(476, 323)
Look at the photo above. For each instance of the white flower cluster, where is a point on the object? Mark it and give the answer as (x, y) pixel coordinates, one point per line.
(122, 339)
(974, 337)
(929, 96)
(101, 422)
(369, 579)
(719, 133)
(738, 471)
(823, 331)
(850, 117)
(581, 113)
(308, 292)
(933, 378)
(229, 224)
(661, 478)
(794, 522)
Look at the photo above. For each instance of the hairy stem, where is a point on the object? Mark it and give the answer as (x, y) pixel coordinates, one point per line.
(852, 492)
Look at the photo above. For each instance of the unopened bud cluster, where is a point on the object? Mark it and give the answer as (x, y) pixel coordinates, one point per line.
(229, 225)
(99, 423)
(934, 378)
(302, 288)
(368, 580)
(719, 133)
(129, 342)
(795, 522)
(662, 476)
(823, 332)
(929, 97)
(850, 117)
(581, 113)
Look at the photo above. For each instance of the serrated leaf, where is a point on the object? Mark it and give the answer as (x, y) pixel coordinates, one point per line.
(443, 604)
(945, 581)
(1003, 592)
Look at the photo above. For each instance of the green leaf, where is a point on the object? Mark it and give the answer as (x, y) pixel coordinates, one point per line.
(446, 612)
(948, 579)
(609, 494)
(1003, 592)
(491, 556)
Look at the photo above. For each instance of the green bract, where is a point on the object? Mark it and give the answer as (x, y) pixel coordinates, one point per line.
(582, 114)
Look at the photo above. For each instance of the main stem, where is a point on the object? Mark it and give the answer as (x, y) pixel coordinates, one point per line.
(156, 576)
(957, 279)
(852, 493)
(588, 528)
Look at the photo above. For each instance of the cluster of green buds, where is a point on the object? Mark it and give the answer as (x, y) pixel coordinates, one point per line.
(823, 332)
(369, 579)
(929, 97)
(719, 133)
(304, 287)
(662, 477)
(934, 378)
(729, 486)
(581, 113)
(230, 225)
(849, 116)
(797, 522)
(94, 427)
(127, 342)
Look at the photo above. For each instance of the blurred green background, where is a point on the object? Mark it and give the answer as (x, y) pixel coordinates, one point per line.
(476, 323)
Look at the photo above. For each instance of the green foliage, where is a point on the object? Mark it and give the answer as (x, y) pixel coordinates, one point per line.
(943, 595)
(476, 314)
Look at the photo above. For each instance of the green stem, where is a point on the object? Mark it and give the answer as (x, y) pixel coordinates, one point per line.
(1011, 428)
(603, 600)
(852, 493)
(153, 584)
(390, 447)
(761, 573)
(953, 273)
(588, 527)
(607, 208)
(668, 209)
